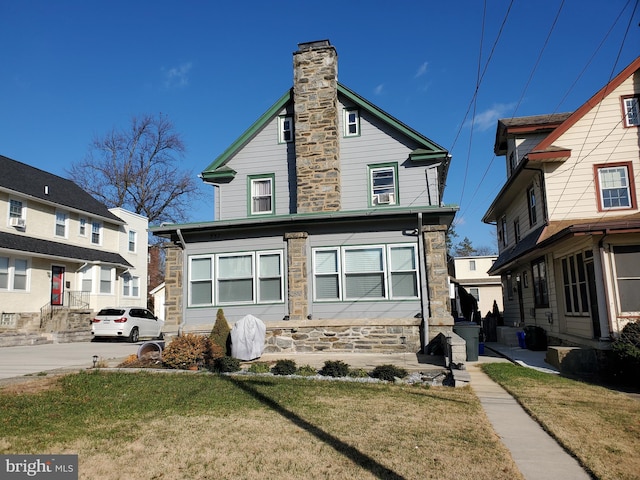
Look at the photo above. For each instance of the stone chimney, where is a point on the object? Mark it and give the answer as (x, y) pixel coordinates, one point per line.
(315, 95)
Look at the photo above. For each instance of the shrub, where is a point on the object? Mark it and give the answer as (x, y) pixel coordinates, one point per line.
(186, 351)
(306, 371)
(221, 333)
(358, 373)
(388, 372)
(259, 367)
(226, 364)
(284, 367)
(626, 355)
(334, 368)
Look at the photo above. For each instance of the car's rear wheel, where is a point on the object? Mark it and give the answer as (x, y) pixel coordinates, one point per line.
(134, 336)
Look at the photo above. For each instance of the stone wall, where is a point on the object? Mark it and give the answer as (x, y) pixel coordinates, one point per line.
(173, 286)
(297, 275)
(353, 336)
(440, 319)
(315, 93)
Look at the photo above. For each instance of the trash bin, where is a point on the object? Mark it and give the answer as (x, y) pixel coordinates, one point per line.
(521, 342)
(535, 337)
(470, 332)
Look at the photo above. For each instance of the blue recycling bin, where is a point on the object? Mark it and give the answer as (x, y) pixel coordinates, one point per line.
(521, 341)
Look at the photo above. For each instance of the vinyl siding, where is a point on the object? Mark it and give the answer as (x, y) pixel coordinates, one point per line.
(598, 138)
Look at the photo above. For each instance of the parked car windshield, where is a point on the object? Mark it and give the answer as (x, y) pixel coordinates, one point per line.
(110, 312)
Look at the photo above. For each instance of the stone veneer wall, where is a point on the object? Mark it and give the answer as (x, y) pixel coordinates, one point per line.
(435, 246)
(173, 286)
(297, 279)
(315, 94)
(354, 336)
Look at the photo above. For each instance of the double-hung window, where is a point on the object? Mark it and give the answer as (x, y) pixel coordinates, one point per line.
(365, 272)
(106, 280)
(614, 182)
(351, 122)
(631, 110)
(516, 230)
(261, 189)
(82, 227)
(132, 241)
(4, 273)
(540, 290)
(383, 184)
(502, 232)
(61, 224)
(96, 230)
(285, 134)
(15, 208)
(236, 278)
(14, 274)
(86, 278)
(130, 286)
(627, 263)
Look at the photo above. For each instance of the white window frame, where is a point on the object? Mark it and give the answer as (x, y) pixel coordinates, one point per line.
(575, 289)
(257, 277)
(132, 241)
(130, 286)
(475, 293)
(82, 226)
(61, 221)
(383, 195)
(285, 129)
(621, 276)
(86, 275)
(254, 195)
(341, 274)
(351, 125)
(631, 111)
(626, 184)
(10, 271)
(96, 230)
(21, 204)
(472, 265)
(103, 281)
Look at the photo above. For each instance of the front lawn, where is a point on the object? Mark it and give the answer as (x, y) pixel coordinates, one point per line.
(179, 426)
(599, 426)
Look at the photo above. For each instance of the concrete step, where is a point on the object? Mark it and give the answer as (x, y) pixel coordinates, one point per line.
(16, 339)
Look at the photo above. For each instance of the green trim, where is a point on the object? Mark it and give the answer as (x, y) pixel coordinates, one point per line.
(247, 135)
(422, 155)
(396, 186)
(250, 178)
(394, 122)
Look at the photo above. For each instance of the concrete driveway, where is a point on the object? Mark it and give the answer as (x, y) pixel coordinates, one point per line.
(33, 359)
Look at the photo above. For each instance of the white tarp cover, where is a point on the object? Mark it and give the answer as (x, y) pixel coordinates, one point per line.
(247, 338)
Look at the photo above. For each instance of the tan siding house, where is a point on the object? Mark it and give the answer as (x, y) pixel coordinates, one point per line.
(575, 272)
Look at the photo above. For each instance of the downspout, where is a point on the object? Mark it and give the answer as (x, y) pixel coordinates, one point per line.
(424, 291)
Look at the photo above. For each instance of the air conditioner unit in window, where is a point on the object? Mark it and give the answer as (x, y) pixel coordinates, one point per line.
(17, 222)
(385, 198)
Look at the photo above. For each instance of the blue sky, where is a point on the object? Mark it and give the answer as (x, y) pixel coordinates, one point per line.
(73, 70)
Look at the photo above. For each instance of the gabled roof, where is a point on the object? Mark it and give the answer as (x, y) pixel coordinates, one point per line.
(531, 124)
(427, 151)
(547, 143)
(35, 183)
(51, 249)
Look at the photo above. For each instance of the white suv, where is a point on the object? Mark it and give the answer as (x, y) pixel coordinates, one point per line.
(126, 322)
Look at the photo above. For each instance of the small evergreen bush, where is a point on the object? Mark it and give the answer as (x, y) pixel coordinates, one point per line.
(625, 353)
(334, 368)
(259, 367)
(226, 364)
(221, 333)
(284, 367)
(306, 371)
(187, 351)
(388, 372)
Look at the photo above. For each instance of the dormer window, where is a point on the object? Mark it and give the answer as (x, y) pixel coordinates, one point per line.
(285, 134)
(351, 123)
(383, 184)
(631, 111)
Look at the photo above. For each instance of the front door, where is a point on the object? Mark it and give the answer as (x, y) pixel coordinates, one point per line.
(57, 285)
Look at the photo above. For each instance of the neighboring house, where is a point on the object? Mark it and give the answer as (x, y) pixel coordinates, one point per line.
(61, 249)
(471, 273)
(329, 225)
(568, 220)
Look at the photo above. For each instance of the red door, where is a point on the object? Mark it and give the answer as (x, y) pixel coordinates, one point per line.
(57, 285)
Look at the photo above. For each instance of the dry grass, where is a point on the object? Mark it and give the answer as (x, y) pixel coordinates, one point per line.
(210, 427)
(601, 427)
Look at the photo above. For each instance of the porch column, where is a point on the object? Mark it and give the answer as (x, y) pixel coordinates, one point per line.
(298, 292)
(174, 291)
(435, 253)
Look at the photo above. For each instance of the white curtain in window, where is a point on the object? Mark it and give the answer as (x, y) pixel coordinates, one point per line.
(364, 274)
(20, 275)
(4, 272)
(270, 278)
(235, 279)
(105, 280)
(201, 282)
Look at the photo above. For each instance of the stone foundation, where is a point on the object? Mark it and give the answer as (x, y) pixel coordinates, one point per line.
(352, 336)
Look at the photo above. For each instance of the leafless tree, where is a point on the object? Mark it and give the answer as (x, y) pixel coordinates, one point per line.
(139, 169)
